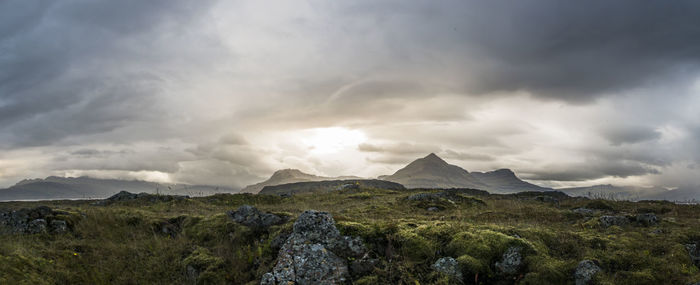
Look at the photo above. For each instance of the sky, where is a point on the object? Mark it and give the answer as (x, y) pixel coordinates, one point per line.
(565, 93)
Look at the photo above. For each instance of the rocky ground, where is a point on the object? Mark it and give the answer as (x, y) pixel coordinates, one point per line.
(353, 235)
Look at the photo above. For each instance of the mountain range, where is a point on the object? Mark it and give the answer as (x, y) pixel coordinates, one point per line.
(433, 172)
(427, 172)
(53, 187)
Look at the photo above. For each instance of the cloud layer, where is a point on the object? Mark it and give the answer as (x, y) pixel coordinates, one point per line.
(221, 92)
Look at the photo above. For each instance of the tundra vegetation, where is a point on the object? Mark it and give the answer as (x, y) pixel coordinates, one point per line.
(437, 238)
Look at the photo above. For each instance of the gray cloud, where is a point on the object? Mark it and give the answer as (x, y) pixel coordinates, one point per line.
(626, 134)
(210, 92)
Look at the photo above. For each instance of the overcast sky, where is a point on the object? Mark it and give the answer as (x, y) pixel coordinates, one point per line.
(226, 92)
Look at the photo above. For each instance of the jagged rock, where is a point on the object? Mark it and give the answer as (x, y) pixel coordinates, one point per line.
(608, 221)
(511, 262)
(36, 226)
(450, 267)
(250, 216)
(314, 253)
(267, 279)
(647, 219)
(585, 271)
(694, 252)
(31, 221)
(348, 246)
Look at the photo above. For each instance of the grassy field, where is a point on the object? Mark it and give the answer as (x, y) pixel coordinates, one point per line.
(124, 243)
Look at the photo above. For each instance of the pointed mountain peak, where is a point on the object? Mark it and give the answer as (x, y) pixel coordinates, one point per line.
(434, 157)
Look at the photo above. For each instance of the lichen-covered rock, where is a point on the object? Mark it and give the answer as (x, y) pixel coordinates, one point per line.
(694, 252)
(511, 262)
(31, 221)
(313, 264)
(251, 217)
(585, 271)
(647, 219)
(449, 267)
(267, 279)
(36, 226)
(608, 221)
(314, 253)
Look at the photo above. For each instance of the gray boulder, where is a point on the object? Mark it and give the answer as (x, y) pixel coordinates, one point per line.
(314, 253)
(449, 267)
(31, 221)
(647, 219)
(694, 252)
(585, 271)
(36, 226)
(250, 216)
(608, 221)
(511, 262)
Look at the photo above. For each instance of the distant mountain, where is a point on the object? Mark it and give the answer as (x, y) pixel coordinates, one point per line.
(608, 191)
(53, 187)
(505, 181)
(328, 186)
(286, 176)
(682, 194)
(433, 172)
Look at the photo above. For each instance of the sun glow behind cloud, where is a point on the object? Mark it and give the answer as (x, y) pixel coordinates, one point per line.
(332, 140)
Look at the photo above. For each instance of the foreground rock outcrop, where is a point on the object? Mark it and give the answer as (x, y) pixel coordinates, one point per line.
(449, 267)
(32, 221)
(251, 217)
(315, 253)
(585, 271)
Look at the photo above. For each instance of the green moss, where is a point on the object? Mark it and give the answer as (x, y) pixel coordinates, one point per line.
(205, 267)
(116, 244)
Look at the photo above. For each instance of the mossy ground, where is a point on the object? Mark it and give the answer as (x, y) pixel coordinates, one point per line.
(123, 243)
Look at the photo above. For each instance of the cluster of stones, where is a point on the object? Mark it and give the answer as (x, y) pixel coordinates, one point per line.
(250, 216)
(32, 221)
(511, 264)
(606, 221)
(316, 253)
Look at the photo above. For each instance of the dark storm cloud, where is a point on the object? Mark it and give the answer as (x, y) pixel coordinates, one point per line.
(571, 50)
(66, 70)
(626, 134)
